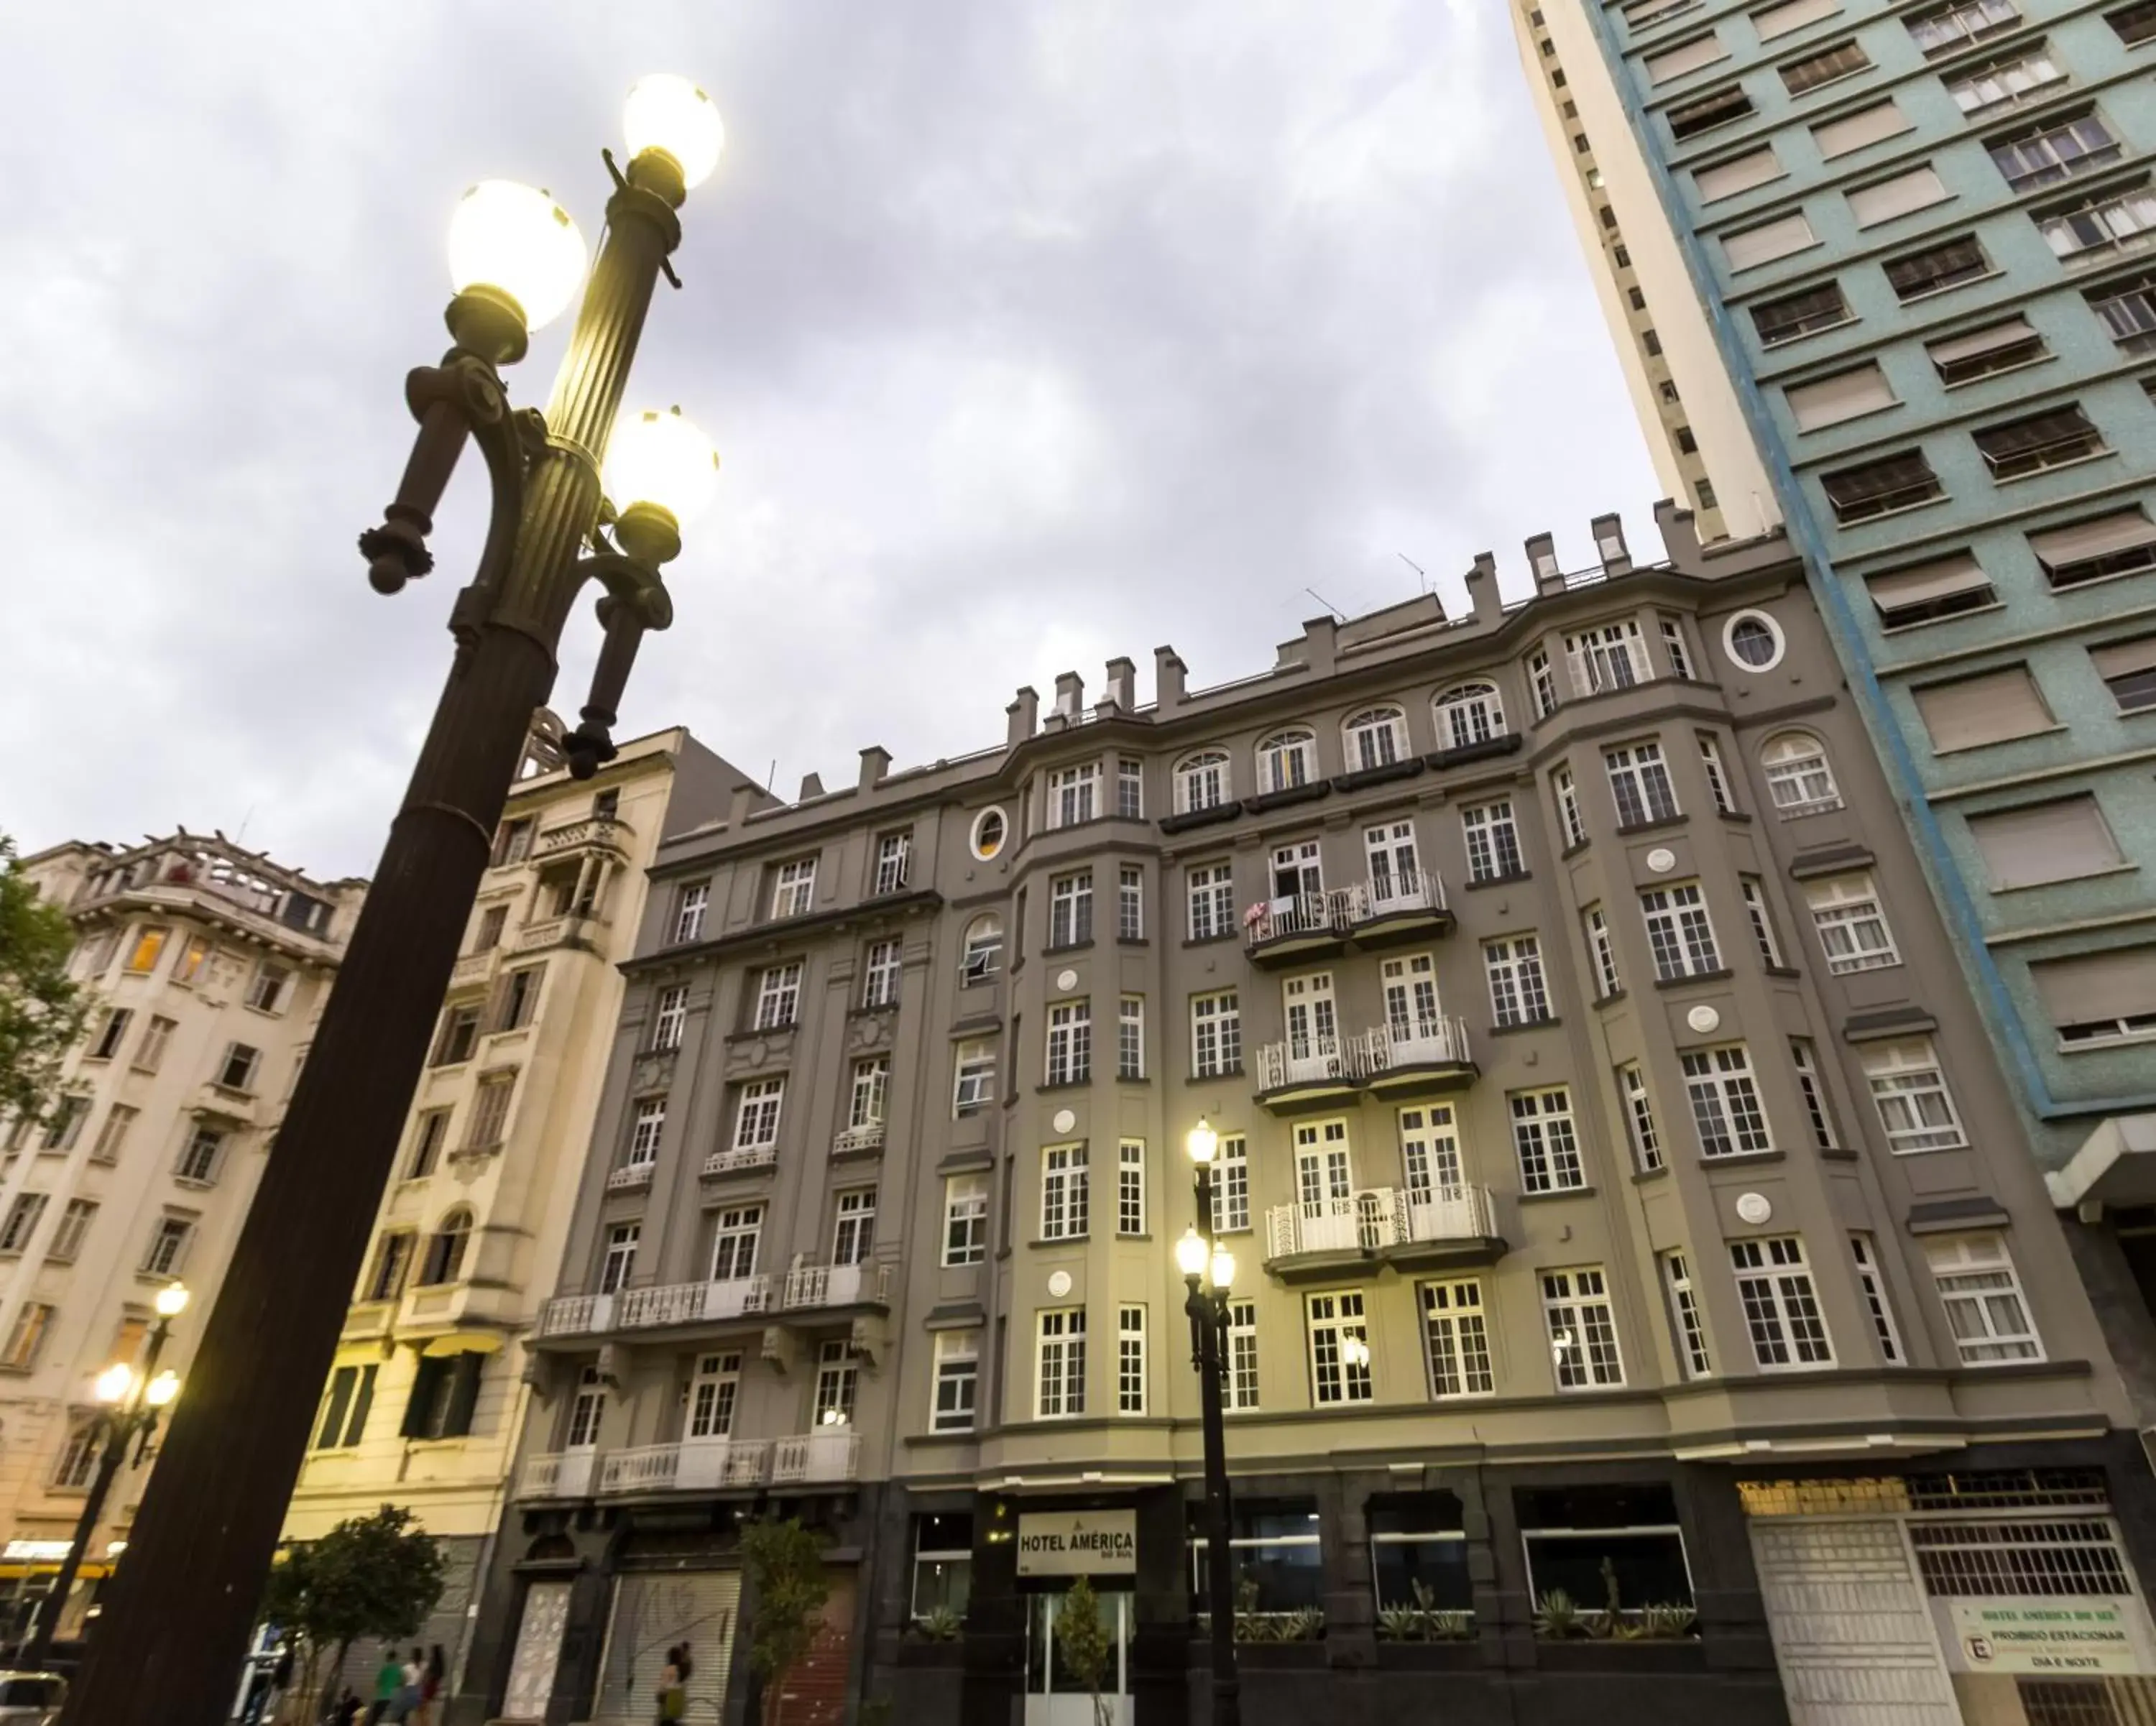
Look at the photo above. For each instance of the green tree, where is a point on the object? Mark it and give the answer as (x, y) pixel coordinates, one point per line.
(783, 1564)
(369, 1578)
(41, 1011)
(1085, 1642)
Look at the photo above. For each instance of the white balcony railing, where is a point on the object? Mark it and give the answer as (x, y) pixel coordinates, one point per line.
(1426, 1043)
(733, 1162)
(1302, 1061)
(559, 1474)
(746, 1462)
(867, 1137)
(694, 1465)
(593, 830)
(694, 1303)
(1379, 1217)
(536, 935)
(836, 1285)
(651, 1468)
(1389, 895)
(831, 1453)
(577, 1315)
(629, 1177)
(1300, 914)
(472, 968)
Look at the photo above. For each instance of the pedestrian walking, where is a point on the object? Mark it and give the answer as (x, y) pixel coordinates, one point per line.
(388, 1677)
(673, 1681)
(408, 1685)
(432, 1678)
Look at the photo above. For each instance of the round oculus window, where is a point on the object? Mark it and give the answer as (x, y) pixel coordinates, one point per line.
(1753, 640)
(990, 829)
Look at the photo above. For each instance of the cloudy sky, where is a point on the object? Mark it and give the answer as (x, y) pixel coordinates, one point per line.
(1033, 332)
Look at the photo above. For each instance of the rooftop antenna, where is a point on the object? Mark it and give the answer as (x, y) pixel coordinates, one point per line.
(1421, 575)
(1339, 615)
(771, 778)
(241, 840)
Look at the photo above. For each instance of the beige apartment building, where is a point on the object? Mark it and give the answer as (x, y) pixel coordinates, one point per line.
(1624, 1198)
(1702, 450)
(208, 966)
(423, 1404)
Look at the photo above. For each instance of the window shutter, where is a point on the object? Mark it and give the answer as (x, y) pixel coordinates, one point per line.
(2094, 986)
(1842, 397)
(2096, 538)
(1973, 711)
(1792, 15)
(2044, 842)
(1741, 173)
(464, 1394)
(1765, 243)
(1926, 583)
(1853, 131)
(356, 1428)
(424, 1381)
(2013, 333)
(2122, 658)
(1685, 56)
(1897, 197)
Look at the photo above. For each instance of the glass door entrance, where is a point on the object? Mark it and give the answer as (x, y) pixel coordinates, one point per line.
(1054, 1696)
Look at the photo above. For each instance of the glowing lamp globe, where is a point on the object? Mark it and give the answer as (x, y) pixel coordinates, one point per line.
(520, 243)
(114, 1382)
(1224, 1267)
(1190, 1254)
(163, 1388)
(1202, 1142)
(661, 461)
(171, 1300)
(672, 116)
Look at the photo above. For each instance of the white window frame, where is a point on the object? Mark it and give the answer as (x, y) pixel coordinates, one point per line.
(1069, 1056)
(1610, 656)
(1673, 645)
(973, 1077)
(1685, 1318)
(1065, 1192)
(757, 1113)
(1209, 892)
(1456, 1339)
(1467, 714)
(1130, 1186)
(1850, 919)
(1640, 1128)
(1799, 774)
(1717, 775)
(1058, 1362)
(669, 1018)
(958, 1366)
(737, 1239)
(1074, 795)
(619, 1260)
(793, 888)
(869, 1094)
(1069, 911)
(1871, 1285)
(1130, 902)
(1204, 781)
(1130, 1360)
(1566, 790)
(1542, 683)
(1545, 1139)
(1239, 1384)
(1901, 1072)
(646, 1127)
(1216, 1034)
(1130, 1036)
(983, 948)
(777, 997)
(1639, 784)
(880, 971)
(1519, 988)
(894, 861)
(965, 1220)
(1330, 1318)
(1753, 892)
(1981, 1292)
(1780, 1303)
(1811, 1089)
(1231, 1185)
(1492, 837)
(1582, 1327)
(853, 1225)
(1375, 737)
(1129, 788)
(1602, 948)
(1680, 931)
(1726, 1107)
(1287, 760)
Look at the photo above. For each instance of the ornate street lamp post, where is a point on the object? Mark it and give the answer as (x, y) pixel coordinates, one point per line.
(130, 1403)
(170, 1640)
(1209, 1273)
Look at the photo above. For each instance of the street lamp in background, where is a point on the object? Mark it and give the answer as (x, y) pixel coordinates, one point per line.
(129, 1405)
(171, 1638)
(1209, 1273)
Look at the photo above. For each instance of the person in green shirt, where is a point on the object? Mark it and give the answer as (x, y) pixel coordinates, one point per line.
(388, 1680)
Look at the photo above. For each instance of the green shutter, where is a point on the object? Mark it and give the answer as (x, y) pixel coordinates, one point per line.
(463, 1395)
(360, 1406)
(333, 1413)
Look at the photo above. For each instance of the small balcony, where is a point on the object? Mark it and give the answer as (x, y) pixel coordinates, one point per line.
(472, 968)
(577, 1315)
(1429, 1056)
(837, 1285)
(1398, 907)
(693, 1302)
(694, 1465)
(1403, 1225)
(744, 1161)
(594, 832)
(830, 1453)
(629, 1177)
(558, 1474)
(859, 1141)
(1301, 926)
(1305, 1069)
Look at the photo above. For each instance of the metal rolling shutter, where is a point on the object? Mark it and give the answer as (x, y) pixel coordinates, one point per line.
(652, 1611)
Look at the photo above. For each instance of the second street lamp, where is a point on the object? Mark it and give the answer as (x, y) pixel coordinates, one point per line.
(1209, 1274)
(171, 1639)
(130, 1404)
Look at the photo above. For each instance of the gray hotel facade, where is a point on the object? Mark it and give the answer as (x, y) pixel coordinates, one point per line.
(1626, 1203)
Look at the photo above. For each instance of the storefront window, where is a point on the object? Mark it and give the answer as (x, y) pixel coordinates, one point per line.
(1275, 1544)
(1570, 1533)
(1416, 1538)
(942, 1563)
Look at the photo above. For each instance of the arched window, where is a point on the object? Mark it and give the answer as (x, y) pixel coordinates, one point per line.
(1202, 780)
(78, 1458)
(1469, 715)
(984, 947)
(1376, 737)
(445, 1248)
(1799, 778)
(1286, 759)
